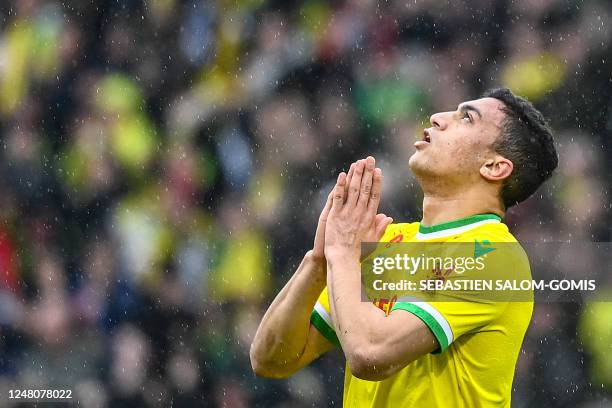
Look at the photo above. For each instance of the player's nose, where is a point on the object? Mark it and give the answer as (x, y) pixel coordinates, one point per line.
(437, 120)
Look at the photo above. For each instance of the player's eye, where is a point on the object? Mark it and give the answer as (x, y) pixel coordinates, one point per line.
(466, 115)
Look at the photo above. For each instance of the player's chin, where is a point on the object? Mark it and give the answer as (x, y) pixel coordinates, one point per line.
(416, 160)
(421, 163)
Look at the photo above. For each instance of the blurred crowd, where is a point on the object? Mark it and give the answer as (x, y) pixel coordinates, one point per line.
(163, 164)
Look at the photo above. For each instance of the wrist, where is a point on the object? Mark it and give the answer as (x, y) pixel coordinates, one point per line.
(316, 262)
(341, 254)
(315, 257)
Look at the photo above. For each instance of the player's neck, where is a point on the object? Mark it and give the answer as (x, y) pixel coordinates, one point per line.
(438, 209)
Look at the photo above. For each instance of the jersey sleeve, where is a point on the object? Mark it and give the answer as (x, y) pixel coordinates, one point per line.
(449, 320)
(321, 314)
(321, 319)
(465, 313)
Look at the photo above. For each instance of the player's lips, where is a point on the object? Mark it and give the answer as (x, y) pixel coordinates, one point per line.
(425, 141)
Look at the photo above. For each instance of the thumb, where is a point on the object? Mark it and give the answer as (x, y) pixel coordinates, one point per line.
(381, 224)
(327, 207)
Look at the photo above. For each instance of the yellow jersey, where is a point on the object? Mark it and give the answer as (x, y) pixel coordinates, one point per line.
(479, 342)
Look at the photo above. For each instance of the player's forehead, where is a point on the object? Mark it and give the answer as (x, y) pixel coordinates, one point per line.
(490, 109)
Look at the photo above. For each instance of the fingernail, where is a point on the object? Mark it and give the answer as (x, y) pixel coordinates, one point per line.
(370, 162)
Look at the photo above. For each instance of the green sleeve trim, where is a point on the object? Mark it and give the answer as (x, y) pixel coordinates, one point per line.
(322, 326)
(429, 320)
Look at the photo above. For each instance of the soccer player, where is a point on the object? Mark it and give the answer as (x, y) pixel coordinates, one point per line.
(472, 164)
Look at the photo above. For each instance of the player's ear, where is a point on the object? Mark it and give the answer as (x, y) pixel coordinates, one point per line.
(496, 168)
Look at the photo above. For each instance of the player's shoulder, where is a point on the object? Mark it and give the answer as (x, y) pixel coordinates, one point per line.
(494, 232)
(499, 236)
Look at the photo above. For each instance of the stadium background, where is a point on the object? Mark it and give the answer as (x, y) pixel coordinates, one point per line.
(163, 164)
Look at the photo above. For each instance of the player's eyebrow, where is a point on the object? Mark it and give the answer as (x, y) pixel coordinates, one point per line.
(464, 107)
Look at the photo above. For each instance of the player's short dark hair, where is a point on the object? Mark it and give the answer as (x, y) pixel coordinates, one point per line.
(527, 141)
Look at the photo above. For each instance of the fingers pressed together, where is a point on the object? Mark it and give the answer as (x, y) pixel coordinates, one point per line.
(359, 189)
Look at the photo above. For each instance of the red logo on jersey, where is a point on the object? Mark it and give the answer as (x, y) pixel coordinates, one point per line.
(397, 238)
(385, 304)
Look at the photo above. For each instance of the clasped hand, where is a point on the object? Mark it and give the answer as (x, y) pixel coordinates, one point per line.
(353, 217)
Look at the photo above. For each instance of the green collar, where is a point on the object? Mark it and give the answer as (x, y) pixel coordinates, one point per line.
(458, 223)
